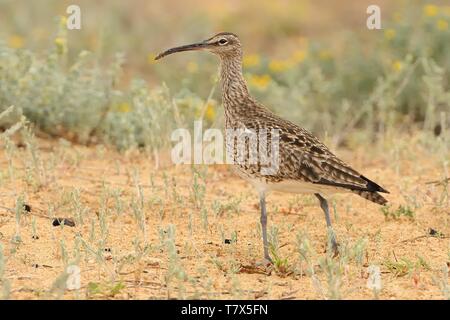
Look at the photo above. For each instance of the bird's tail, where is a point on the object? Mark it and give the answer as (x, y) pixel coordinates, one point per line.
(371, 196)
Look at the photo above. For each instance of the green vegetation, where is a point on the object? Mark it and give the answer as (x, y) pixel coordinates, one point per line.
(378, 82)
(401, 211)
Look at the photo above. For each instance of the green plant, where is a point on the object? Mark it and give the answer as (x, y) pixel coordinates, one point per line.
(404, 266)
(401, 211)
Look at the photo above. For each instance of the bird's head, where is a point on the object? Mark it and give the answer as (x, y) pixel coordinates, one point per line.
(224, 44)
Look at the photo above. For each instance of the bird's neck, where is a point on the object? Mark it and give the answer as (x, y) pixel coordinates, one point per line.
(234, 88)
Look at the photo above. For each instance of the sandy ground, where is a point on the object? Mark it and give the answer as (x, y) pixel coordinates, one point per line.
(205, 243)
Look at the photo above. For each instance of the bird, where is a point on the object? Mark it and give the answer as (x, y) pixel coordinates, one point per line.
(306, 165)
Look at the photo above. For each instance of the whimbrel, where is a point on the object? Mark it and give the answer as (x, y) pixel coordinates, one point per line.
(305, 164)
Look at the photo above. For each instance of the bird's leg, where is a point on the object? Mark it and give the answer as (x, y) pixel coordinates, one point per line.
(324, 206)
(262, 203)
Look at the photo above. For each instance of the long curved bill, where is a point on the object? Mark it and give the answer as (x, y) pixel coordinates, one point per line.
(189, 47)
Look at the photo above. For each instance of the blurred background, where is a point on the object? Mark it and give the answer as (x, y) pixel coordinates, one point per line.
(314, 62)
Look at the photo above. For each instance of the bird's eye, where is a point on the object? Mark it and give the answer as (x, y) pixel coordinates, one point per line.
(223, 41)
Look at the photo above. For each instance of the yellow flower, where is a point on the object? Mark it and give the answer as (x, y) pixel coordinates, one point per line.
(279, 65)
(299, 56)
(251, 60)
(325, 55)
(61, 44)
(60, 41)
(151, 58)
(442, 25)
(260, 82)
(430, 10)
(397, 66)
(16, 42)
(390, 34)
(210, 112)
(123, 107)
(63, 21)
(192, 67)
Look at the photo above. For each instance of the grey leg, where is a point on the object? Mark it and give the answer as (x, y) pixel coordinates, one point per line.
(324, 206)
(262, 203)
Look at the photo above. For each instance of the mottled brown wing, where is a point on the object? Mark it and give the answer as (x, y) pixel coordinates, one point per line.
(319, 165)
(305, 158)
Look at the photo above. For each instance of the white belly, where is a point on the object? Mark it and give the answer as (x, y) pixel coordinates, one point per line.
(289, 186)
(294, 186)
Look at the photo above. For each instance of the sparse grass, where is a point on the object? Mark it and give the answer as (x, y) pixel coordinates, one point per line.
(109, 246)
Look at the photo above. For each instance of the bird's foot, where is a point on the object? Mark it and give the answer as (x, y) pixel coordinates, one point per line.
(266, 262)
(333, 247)
(260, 267)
